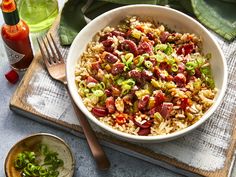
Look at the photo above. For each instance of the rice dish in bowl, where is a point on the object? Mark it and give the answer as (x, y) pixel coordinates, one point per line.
(143, 80)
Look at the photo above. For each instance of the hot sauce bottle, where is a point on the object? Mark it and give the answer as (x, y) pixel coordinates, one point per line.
(15, 35)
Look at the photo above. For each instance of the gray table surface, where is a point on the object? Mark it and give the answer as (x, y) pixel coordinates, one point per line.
(14, 127)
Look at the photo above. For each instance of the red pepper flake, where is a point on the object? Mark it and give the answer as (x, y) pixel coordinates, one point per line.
(120, 119)
(184, 103)
(140, 28)
(12, 76)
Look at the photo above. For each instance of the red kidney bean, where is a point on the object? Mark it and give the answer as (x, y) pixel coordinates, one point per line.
(91, 79)
(147, 75)
(129, 45)
(143, 102)
(104, 37)
(180, 80)
(198, 73)
(109, 49)
(186, 49)
(147, 124)
(144, 131)
(115, 91)
(118, 33)
(110, 58)
(152, 111)
(159, 98)
(166, 109)
(163, 37)
(99, 111)
(153, 60)
(96, 65)
(110, 105)
(108, 92)
(181, 67)
(117, 68)
(150, 36)
(164, 66)
(107, 43)
(135, 74)
(144, 47)
(128, 99)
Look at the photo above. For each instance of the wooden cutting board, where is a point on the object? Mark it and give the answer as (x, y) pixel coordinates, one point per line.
(207, 151)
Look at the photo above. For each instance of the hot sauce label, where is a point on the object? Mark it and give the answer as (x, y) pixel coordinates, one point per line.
(12, 55)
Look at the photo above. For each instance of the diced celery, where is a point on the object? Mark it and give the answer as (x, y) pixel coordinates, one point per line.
(136, 34)
(170, 85)
(157, 84)
(158, 116)
(141, 93)
(151, 102)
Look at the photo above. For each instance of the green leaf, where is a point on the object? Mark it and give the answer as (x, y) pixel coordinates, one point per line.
(72, 21)
(217, 15)
(98, 7)
(133, 1)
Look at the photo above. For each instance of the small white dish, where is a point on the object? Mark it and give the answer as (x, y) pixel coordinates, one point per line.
(53, 143)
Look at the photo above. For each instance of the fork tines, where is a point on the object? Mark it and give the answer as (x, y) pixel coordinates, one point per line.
(52, 54)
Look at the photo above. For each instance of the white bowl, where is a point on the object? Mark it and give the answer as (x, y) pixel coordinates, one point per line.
(174, 20)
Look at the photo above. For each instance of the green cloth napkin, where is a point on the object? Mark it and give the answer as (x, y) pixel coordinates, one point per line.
(217, 15)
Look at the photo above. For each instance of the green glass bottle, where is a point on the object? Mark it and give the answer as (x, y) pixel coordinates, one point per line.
(38, 14)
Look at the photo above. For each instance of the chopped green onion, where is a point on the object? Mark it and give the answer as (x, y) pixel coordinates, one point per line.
(98, 93)
(174, 67)
(160, 47)
(192, 72)
(170, 60)
(148, 64)
(160, 57)
(127, 60)
(168, 50)
(210, 82)
(140, 60)
(129, 82)
(120, 80)
(25, 161)
(197, 85)
(190, 65)
(205, 70)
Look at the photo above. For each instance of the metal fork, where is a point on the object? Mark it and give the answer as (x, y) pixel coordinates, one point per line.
(56, 67)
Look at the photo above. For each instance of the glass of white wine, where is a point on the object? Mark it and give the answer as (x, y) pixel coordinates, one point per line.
(38, 14)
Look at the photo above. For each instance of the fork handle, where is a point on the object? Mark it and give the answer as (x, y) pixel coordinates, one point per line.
(98, 153)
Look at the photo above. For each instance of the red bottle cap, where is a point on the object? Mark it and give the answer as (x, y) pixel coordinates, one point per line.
(12, 76)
